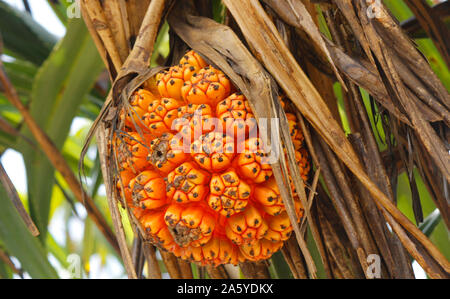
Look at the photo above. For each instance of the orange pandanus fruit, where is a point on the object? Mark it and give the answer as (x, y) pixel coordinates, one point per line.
(207, 86)
(194, 173)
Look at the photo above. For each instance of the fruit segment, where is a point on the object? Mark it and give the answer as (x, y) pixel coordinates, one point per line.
(160, 116)
(170, 82)
(228, 193)
(132, 151)
(157, 230)
(268, 196)
(296, 135)
(260, 250)
(246, 227)
(193, 59)
(187, 183)
(167, 152)
(236, 115)
(126, 176)
(217, 251)
(148, 190)
(123, 184)
(134, 114)
(301, 156)
(213, 151)
(207, 86)
(279, 227)
(252, 162)
(194, 120)
(189, 225)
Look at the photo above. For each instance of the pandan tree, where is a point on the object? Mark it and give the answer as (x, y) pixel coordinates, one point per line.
(227, 139)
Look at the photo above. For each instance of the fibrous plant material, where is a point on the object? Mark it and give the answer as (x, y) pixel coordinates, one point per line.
(356, 214)
(194, 171)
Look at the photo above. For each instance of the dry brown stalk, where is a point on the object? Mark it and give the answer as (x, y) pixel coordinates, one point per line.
(105, 164)
(154, 272)
(7, 260)
(14, 196)
(217, 272)
(172, 265)
(255, 270)
(284, 68)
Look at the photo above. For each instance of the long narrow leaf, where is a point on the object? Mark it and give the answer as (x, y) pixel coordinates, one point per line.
(20, 243)
(59, 87)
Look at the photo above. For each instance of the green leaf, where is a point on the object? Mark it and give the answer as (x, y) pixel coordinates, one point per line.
(218, 11)
(430, 223)
(19, 242)
(21, 73)
(438, 235)
(280, 267)
(312, 246)
(58, 90)
(60, 9)
(6, 141)
(89, 244)
(5, 271)
(162, 47)
(23, 36)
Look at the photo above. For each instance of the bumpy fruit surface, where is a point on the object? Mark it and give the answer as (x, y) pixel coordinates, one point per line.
(194, 120)
(252, 162)
(187, 183)
(194, 172)
(160, 116)
(132, 151)
(170, 82)
(133, 116)
(148, 190)
(229, 194)
(190, 225)
(213, 151)
(207, 86)
(235, 115)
